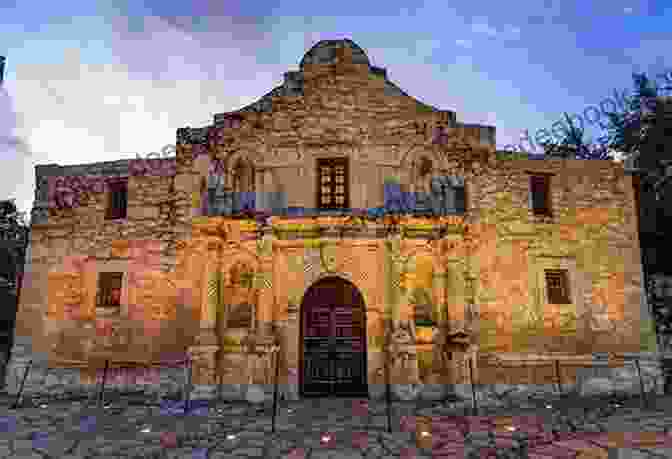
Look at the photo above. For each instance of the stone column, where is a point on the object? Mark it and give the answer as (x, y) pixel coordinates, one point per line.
(207, 334)
(204, 381)
(265, 302)
(439, 293)
(289, 339)
(269, 190)
(260, 186)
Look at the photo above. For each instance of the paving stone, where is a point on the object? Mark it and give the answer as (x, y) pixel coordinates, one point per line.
(114, 436)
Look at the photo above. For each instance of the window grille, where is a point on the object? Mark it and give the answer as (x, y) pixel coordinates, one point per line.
(557, 286)
(109, 290)
(333, 184)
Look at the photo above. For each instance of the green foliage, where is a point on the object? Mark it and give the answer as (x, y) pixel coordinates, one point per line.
(575, 146)
(230, 341)
(510, 155)
(425, 362)
(377, 342)
(214, 290)
(246, 279)
(647, 336)
(422, 108)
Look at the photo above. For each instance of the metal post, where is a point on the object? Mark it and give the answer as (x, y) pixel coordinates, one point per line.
(187, 384)
(102, 385)
(275, 389)
(473, 387)
(641, 383)
(2, 69)
(557, 375)
(388, 390)
(23, 382)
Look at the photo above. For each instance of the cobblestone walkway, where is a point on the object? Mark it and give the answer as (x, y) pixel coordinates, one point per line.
(338, 428)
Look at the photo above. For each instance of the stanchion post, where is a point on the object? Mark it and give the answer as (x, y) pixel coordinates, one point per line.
(23, 382)
(557, 376)
(102, 385)
(275, 389)
(473, 386)
(641, 383)
(187, 384)
(388, 392)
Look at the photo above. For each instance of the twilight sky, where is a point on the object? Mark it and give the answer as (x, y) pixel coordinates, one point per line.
(98, 80)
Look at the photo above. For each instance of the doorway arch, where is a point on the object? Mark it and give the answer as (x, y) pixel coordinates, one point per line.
(332, 344)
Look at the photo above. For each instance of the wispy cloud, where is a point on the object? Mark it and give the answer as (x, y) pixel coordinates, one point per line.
(464, 43)
(481, 27)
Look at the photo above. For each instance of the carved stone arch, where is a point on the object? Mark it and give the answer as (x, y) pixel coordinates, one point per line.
(242, 299)
(350, 276)
(243, 256)
(414, 151)
(247, 155)
(332, 340)
(243, 158)
(419, 165)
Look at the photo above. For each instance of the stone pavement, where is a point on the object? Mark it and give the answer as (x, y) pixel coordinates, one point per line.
(338, 428)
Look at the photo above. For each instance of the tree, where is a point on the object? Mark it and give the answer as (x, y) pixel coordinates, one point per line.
(575, 146)
(642, 132)
(13, 241)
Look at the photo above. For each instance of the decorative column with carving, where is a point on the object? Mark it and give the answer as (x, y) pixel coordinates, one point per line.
(203, 352)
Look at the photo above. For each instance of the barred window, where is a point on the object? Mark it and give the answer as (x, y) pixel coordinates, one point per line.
(118, 200)
(557, 286)
(109, 290)
(333, 184)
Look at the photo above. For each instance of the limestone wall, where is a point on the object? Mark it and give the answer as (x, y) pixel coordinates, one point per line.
(481, 272)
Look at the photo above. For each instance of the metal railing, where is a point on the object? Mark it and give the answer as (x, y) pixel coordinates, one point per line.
(528, 366)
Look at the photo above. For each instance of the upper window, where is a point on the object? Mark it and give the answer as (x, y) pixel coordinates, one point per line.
(118, 200)
(540, 197)
(332, 186)
(109, 290)
(557, 286)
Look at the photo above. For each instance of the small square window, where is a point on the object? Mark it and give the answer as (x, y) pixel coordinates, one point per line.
(109, 290)
(557, 286)
(540, 194)
(118, 200)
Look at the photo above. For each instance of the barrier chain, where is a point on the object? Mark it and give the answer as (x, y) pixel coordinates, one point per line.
(102, 386)
(187, 384)
(275, 389)
(473, 387)
(388, 394)
(641, 383)
(557, 375)
(23, 382)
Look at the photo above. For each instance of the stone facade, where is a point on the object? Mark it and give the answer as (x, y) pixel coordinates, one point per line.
(192, 266)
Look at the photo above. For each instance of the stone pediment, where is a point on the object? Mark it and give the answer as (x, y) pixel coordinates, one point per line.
(324, 53)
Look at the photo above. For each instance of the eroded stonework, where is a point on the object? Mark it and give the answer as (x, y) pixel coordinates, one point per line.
(201, 281)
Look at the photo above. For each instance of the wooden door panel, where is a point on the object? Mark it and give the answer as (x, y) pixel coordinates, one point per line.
(334, 346)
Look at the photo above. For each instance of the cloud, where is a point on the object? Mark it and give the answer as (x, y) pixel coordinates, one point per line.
(425, 48)
(76, 112)
(161, 78)
(464, 43)
(483, 28)
(628, 10)
(513, 32)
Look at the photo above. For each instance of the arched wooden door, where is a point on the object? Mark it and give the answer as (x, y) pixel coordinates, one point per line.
(333, 340)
